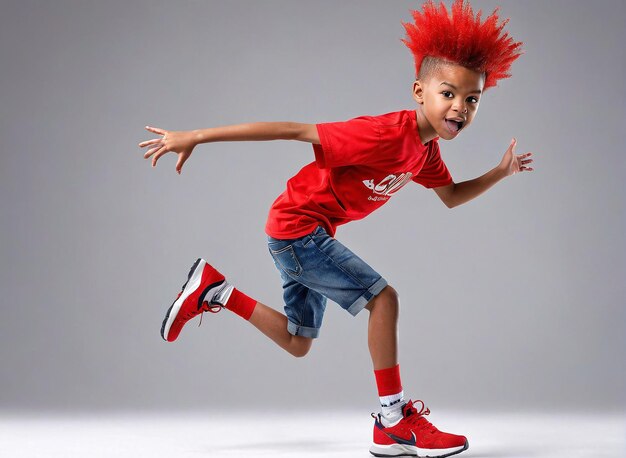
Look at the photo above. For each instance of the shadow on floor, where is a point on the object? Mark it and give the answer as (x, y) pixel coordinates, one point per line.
(325, 448)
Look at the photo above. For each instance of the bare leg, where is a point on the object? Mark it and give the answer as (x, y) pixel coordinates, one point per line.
(382, 329)
(382, 335)
(274, 325)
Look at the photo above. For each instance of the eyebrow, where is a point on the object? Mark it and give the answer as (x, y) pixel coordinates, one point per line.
(477, 91)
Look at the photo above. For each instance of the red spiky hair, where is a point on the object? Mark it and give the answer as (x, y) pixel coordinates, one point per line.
(462, 39)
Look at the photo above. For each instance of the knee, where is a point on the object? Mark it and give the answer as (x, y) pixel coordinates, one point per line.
(300, 346)
(391, 296)
(299, 352)
(387, 298)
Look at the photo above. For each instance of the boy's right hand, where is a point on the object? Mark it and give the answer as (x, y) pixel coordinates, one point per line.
(179, 142)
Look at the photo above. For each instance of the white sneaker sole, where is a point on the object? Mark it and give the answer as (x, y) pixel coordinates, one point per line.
(190, 286)
(410, 450)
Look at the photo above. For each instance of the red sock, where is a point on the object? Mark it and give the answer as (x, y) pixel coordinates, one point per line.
(388, 381)
(390, 394)
(241, 304)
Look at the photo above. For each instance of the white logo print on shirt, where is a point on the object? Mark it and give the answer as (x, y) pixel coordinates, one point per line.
(388, 186)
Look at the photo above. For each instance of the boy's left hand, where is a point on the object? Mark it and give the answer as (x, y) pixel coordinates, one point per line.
(513, 163)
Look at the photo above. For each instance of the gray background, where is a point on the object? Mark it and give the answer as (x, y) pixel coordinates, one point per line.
(515, 300)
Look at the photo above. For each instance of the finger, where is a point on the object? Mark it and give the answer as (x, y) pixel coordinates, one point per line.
(156, 157)
(150, 142)
(513, 145)
(527, 161)
(152, 151)
(179, 163)
(156, 130)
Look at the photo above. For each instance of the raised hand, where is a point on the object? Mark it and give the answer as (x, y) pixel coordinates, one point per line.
(513, 163)
(180, 142)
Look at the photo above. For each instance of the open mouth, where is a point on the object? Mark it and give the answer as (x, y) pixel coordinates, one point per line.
(454, 126)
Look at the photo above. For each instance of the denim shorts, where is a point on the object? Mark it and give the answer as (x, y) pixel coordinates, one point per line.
(316, 267)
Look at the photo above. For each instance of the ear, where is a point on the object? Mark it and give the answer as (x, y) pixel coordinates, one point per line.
(418, 92)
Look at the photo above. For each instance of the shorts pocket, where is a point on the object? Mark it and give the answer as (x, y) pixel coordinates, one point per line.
(287, 260)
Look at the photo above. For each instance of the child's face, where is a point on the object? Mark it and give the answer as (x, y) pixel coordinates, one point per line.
(449, 100)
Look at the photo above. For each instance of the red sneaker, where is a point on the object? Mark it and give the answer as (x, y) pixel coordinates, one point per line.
(202, 281)
(413, 435)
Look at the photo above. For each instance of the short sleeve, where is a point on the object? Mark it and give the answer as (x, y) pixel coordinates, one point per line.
(347, 143)
(434, 173)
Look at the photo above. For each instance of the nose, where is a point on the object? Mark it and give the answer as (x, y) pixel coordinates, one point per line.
(460, 107)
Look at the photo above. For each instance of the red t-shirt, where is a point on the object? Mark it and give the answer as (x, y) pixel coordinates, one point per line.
(359, 165)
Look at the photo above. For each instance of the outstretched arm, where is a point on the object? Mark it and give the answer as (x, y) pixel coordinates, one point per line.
(459, 193)
(183, 142)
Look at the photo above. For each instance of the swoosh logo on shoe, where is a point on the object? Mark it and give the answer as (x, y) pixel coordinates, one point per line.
(401, 440)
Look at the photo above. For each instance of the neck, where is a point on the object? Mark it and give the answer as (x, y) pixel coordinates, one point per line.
(425, 130)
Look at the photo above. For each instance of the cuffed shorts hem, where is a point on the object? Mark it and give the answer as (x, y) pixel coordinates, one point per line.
(367, 296)
(297, 330)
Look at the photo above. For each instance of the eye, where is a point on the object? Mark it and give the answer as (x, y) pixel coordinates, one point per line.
(447, 94)
(473, 100)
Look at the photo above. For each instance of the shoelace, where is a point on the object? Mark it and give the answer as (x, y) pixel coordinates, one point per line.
(211, 307)
(417, 418)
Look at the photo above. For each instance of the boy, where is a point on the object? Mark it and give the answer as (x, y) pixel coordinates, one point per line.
(359, 164)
